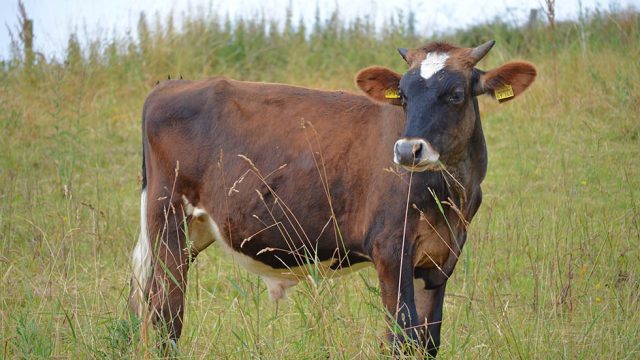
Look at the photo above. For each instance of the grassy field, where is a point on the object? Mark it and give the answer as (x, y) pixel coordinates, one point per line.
(551, 268)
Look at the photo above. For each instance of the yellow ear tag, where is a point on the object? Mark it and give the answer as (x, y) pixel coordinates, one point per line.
(504, 93)
(392, 94)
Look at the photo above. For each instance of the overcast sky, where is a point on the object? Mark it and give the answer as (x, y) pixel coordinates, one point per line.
(54, 20)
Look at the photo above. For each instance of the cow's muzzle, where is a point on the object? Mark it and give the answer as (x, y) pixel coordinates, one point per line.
(415, 155)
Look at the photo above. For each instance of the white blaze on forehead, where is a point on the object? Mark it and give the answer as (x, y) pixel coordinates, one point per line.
(433, 63)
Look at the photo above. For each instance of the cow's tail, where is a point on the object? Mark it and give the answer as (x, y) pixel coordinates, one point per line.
(141, 257)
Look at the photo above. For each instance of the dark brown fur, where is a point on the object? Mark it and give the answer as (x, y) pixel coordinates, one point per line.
(205, 125)
(254, 155)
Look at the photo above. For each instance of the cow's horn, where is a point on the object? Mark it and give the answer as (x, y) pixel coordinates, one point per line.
(479, 52)
(403, 52)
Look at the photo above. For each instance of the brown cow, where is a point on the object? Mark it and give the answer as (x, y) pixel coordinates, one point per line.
(283, 177)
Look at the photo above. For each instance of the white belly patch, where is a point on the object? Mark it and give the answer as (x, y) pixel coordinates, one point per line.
(203, 231)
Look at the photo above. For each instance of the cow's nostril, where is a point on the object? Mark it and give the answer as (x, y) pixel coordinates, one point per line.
(416, 149)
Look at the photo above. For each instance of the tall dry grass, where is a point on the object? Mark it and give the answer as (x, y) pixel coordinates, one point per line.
(550, 269)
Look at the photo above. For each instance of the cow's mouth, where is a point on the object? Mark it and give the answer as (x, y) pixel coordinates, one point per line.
(424, 166)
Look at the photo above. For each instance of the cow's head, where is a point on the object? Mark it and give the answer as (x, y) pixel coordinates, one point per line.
(437, 94)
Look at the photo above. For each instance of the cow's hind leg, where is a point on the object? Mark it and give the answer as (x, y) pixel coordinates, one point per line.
(170, 264)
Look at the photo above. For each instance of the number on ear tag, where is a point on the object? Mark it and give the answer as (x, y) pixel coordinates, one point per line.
(504, 93)
(392, 94)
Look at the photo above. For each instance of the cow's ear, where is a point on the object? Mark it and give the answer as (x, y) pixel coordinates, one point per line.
(506, 82)
(380, 84)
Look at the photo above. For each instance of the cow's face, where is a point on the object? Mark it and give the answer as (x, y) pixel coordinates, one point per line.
(437, 95)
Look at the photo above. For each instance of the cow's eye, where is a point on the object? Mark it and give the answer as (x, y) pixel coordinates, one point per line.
(457, 96)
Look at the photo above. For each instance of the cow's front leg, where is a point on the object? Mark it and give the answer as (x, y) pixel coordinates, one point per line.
(395, 272)
(429, 299)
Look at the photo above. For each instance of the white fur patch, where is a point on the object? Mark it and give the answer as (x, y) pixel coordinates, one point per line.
(203, 231)
(141, 257)
(433, 63)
